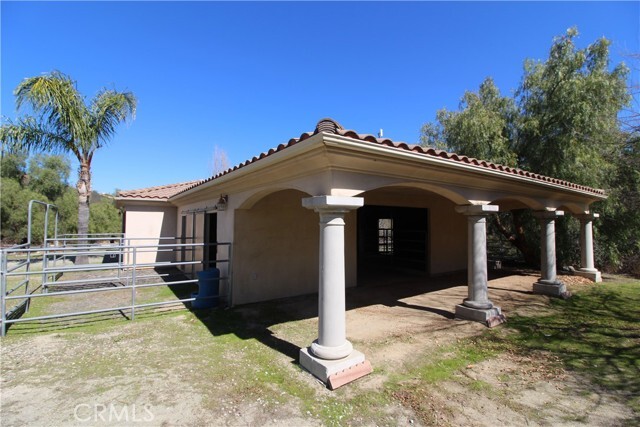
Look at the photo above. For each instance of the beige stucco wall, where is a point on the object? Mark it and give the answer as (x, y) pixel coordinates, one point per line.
(447, 229)
(144, 225)
(276, 241)
(277, 248)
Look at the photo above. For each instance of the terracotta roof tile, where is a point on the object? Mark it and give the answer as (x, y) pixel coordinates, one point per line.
(161, 192)
(331, 126)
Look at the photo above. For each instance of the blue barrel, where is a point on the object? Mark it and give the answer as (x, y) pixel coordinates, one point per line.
(208, 289)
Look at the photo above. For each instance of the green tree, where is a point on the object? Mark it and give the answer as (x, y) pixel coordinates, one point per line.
(65, 123)
(563, 122)
(105, 217)
(67, 205)
(482, 128)
(13, 164)
(14, 208)
(48, 175)
(619, 226)
(569, 107)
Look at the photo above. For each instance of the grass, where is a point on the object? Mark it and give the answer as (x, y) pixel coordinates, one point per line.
(596, 333)
(249, 354)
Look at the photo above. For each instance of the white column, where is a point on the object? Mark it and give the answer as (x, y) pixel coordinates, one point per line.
(548, 283)
(331, 352)
(332, 341)
(477, 305)
(586, 242)
(587, 264)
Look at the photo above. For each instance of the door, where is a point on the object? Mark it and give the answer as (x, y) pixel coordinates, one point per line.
(210, 240)
(392, 238)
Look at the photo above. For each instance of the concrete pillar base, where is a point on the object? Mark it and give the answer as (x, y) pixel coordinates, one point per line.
(478, 305)
(331, 353)
(593, 275)
(324, 370)
(555, 288)
(490, 317)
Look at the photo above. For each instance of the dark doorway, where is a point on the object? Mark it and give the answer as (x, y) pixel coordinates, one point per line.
(210, 238)
(392, 240)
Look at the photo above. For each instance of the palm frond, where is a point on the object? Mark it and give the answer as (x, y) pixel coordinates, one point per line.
(56, 98)
(32, 135)
(108, 109)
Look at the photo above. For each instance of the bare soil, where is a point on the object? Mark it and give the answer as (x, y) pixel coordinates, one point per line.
(162, 370)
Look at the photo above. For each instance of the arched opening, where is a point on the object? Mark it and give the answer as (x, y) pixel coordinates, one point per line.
(406, 231)
(507, 243)
(254, 198)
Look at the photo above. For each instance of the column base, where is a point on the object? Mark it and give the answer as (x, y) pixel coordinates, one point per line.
(336, 373)
(331, 353)
(554, 289)
(490, 317)
(593, 275)
(478, 305)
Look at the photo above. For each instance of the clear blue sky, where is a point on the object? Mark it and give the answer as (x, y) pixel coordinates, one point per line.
(248, 76)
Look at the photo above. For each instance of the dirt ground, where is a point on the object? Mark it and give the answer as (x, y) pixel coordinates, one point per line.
(55, 378)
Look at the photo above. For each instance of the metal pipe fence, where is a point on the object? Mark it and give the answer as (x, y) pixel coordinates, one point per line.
(122, 266)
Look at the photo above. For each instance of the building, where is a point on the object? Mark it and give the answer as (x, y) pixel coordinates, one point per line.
(380, 206)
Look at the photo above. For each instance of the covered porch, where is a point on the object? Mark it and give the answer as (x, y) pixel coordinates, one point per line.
(304, 212)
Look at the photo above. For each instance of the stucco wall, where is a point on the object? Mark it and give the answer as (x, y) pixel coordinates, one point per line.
(447, 229)
(276, 249)
(144, 225)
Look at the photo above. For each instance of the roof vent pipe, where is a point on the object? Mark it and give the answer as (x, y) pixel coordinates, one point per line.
(380, 134)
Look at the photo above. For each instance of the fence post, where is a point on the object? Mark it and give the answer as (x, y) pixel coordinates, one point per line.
(3, 290)
(45, 266)
(133, 285)
(230, 276)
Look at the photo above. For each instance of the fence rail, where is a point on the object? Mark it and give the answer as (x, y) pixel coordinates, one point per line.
(124, 264)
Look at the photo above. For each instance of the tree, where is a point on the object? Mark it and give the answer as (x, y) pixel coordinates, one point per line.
(48, 175)
(562, 122)
(220, 161)
(14, 208)
(68, 211)
(619, 226)
(13, 164)
(482, 128)
(569, 108)
(105, 217)
(66, 124)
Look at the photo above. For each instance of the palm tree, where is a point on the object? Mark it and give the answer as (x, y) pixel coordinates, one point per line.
(64, 123)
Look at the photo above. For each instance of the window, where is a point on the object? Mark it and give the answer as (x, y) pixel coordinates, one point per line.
(385, 236)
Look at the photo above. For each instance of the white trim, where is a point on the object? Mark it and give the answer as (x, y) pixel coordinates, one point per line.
(368, 147)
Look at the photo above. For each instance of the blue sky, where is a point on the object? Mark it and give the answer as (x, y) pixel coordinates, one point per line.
(247, 76)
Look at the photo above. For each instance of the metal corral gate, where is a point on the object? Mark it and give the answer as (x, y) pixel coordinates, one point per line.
(98, 264)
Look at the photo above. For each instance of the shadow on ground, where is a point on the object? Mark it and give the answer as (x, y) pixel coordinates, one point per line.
(408, 291)
(400, 294)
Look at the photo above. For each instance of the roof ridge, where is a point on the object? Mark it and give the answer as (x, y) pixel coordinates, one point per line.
(176, 184)
(157, 192)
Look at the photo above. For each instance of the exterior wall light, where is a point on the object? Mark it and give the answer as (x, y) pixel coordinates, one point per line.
(222, 203)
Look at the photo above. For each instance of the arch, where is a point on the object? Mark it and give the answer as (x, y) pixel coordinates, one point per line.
(255, 197)
(574, 208)
(447, 193)
(518, 202)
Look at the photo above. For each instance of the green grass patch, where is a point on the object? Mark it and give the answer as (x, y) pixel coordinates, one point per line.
(595, 333)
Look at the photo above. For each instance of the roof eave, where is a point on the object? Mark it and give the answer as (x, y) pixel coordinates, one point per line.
(278, 156)
(354, 144)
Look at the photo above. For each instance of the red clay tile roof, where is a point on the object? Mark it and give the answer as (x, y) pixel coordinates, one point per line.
(161, 192)
(331, 126)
